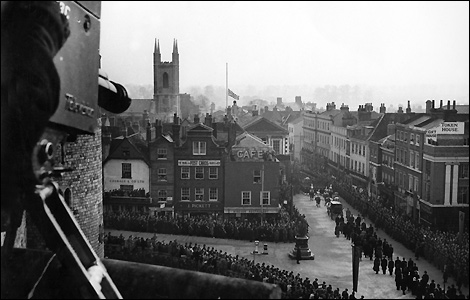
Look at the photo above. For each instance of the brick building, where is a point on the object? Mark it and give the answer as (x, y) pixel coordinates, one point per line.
(252, 179)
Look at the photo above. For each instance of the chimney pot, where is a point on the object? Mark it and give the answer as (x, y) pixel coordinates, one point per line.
(441, 104)
(453, 105)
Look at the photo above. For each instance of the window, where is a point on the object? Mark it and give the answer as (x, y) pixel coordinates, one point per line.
(162, 174)
(185, 173)
(165, 80)
(412, 139)
(410, 182)
(246, 198)
(417, 140)
(416, 187)
(213, 194)
(161, 195)
(213, 173)
(161, 153)
(277, 146)
(462, 195)
(126, 188)
(406, 159)
(126, 170)
(265, 197)
(257, 176)
(199, 148)
(412, 159)
(185, 194)
(199, 194)
(363, 150)
(417, 160)
(199, 173)
(463, 170)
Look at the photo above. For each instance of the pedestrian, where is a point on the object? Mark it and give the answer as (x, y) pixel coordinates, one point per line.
(397, 264)
(384, 264)
(391, 265)
(376, 267)
(298, 255)
(403, 284)
(345, 294)
(398, 278)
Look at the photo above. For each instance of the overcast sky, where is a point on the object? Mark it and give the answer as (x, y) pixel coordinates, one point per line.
(289, 43)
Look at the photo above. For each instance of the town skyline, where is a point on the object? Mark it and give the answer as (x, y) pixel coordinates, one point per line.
(421, 48)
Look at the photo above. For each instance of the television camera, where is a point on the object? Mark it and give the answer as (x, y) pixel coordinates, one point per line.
(52, 86)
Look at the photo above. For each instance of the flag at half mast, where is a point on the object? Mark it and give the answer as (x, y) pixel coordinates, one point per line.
(233, 95)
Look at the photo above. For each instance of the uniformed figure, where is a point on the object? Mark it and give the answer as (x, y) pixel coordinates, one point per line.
(298, 255)
(384, 264)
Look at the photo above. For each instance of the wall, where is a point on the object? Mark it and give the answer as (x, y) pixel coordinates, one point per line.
(113, 172)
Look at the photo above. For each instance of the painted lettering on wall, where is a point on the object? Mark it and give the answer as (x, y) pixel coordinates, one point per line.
(126, 181)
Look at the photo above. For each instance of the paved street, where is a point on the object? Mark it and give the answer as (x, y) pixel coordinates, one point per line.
(332, 262)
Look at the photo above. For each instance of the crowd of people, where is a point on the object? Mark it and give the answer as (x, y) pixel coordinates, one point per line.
(280, 228)
(210, 260)
(446, 250)
(407, 277)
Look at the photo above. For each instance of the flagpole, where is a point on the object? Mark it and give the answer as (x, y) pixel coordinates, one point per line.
(226, 87)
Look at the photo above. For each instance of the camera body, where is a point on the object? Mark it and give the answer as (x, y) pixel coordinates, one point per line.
(78, 63)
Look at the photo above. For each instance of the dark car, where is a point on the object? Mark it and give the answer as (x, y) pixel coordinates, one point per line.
(335, 208)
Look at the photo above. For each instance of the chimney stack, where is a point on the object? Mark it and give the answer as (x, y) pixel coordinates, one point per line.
(208, 120)
(408, 109)
(175, 128)
(158, 128)
(196, 118)
(428, 106)
(214, 126)
(382, 108)
(148, 132)
(433, 104)
(441, 104)
(453, 105)
(448, 104)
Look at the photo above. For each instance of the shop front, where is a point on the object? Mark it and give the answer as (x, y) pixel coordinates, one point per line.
(205, 208)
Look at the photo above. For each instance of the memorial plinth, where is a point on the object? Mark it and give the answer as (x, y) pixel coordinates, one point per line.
(302, 243)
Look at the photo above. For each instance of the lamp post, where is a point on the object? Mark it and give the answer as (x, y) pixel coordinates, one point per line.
(262, 192)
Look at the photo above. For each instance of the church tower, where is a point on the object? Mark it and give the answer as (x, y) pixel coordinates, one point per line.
(166, 83)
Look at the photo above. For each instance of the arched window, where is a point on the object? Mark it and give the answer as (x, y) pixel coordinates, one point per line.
(68, 197)
(165, 80)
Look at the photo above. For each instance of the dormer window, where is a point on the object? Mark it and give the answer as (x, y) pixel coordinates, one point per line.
(199, 148)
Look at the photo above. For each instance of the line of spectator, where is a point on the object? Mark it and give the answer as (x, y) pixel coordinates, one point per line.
(279, 228)
(207, 259)
(407, 276)
(446, 250)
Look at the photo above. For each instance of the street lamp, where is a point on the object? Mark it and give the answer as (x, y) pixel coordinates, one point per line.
(377, 188)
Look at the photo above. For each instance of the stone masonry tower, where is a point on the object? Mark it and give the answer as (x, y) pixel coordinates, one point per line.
(166, 83)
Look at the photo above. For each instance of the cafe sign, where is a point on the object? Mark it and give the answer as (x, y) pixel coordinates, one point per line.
(248, 153)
